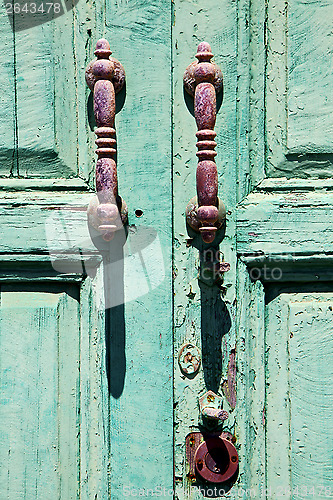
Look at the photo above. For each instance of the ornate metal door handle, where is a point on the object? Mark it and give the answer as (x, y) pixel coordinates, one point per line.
(105, 76)
(203, 79)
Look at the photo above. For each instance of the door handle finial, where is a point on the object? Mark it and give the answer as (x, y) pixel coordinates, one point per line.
(203, 80)
(105, 76)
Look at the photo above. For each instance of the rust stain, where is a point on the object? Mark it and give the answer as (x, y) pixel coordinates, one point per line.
(229, 385)
(70, 209)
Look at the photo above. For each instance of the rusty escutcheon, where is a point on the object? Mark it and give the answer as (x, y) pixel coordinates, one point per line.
(189, 359)
(212, 457)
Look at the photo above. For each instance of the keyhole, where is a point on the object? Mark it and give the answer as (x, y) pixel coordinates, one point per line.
(217, 460)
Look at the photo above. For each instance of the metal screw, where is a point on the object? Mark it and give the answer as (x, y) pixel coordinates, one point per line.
(200, 464)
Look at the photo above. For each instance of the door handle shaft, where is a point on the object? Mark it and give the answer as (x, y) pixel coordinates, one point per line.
(105, 76)
(203, 80)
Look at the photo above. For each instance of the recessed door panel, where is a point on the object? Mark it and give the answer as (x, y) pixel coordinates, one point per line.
(310, 68)
(299, 394)
(40, 396)
(42, 99)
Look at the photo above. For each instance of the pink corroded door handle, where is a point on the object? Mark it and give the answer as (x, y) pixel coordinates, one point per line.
(203, 79)
(105, 76)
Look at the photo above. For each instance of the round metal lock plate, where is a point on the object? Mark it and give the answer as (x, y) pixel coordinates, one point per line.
(216, 460)
(189, 359)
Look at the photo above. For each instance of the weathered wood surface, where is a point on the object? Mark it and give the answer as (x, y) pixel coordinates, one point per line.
(125, 382)
(249, 316)
(8, 140)
(40, 398)
(43, 100)
(126, 423)
(294, 222)
(250, 325)
(298, 85)
(54, 407)
(39, 222)
(202, 315)
(311, 389)
(284, 223)
(141, 392)
(298, 453)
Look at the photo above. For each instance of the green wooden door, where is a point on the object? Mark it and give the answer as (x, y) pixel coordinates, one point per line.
(93, 404)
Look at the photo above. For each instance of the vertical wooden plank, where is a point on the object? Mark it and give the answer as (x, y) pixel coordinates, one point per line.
(277, 401)
(276, 85)
(35, 99)
(140, 331)
(68, 393)
(298, 395)
(85, 29)
(251, 418)
(65, 83)
(94, 428)
(203, 315)
(254, 47)
(244, 36)
(29, 406)
(311, 395)
(8, 159)
(298, 121)
(250, 296)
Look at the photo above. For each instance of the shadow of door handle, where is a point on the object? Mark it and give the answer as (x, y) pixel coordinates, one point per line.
(105, 76)
(203, 80)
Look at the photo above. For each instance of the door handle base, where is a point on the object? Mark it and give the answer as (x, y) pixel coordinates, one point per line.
(107, 218)
(195, 222)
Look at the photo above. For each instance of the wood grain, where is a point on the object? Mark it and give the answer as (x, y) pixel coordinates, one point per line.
(44, 222)
(298, 336)
(48, 95)
(310, 68)
(40, 399)
(124, 433)
(141, 412)
(286, 222)
(311, 373)
(298, 67)
(8, 128)
(201, 315)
